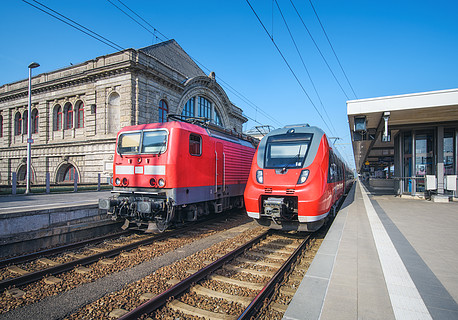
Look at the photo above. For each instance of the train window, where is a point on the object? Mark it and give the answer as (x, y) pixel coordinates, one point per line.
(286, 150)
(129, 142)
(195, 144)
(154, 142)
(332, 168)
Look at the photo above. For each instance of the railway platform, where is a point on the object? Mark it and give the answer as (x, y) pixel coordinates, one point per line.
(35, 221)
(383, 258)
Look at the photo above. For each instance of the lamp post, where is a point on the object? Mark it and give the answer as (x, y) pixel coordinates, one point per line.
(29, 128)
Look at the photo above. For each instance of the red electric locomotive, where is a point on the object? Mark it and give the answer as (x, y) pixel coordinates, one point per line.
(297, 179)
(173, 172)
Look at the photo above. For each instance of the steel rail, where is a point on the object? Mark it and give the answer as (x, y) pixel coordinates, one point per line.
(61, 268)
(269, 288)
(184, 285)
(52, 251)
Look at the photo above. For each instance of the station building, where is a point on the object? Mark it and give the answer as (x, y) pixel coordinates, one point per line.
(78, 110)
(407, 143)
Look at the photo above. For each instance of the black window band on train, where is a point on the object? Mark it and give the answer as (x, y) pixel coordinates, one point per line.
(287, 150)
(142, 142)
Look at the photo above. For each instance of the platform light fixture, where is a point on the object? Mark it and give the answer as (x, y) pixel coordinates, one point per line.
(33, 65)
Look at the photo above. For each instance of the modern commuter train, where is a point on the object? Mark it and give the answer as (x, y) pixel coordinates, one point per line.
(174, 172)
(297, 179)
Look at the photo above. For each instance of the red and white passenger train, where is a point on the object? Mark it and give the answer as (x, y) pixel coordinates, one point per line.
(173, 172)
(297, 179)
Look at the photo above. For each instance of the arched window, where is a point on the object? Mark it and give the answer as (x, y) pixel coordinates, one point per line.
(79, 114)
(205, 108)
(57, 115)
(69, 174)
(22, 173)
(163, 111)
(1, 126)
(17, 124)
(188, 110)
(68, 112)
(35, 121)
(25, 121)
(217, 118)
(114, 113)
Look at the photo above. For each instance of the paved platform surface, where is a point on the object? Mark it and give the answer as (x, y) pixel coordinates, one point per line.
(33, 202)
(384, 258)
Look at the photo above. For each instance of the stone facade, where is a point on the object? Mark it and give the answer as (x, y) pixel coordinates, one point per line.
(82, 107)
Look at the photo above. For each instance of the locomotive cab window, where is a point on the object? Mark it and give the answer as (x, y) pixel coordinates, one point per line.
(287, 150)
(150, 142)
(154, 142)
(129, 143)
(195, 144)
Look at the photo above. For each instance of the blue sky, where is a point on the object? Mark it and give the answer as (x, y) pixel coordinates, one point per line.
(386, 48)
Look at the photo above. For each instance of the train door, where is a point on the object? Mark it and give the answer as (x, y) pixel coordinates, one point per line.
(219, 167)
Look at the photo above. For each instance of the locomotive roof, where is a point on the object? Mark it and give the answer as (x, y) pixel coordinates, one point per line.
(212, 132)
(297, 129)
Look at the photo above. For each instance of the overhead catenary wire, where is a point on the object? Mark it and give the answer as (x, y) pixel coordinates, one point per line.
(305, 67)
(223, 83)
(319, 50)
(332, 48)
(53, 13)
(141, 25)
(75, 25)
(288, 65)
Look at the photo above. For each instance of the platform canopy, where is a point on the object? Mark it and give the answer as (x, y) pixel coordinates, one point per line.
(418, 110)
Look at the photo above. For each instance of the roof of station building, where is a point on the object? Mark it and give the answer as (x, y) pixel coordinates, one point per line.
(170, 53)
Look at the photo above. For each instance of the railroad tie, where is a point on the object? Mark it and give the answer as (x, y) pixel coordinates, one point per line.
(48, 262)
(98, 250)
(266, 255)
(117, 313)
(127, 254)
(52, 280)
(82, 270)
(17, 270)
(190, 310)
(279, 307)
(249, 271)
(147, 296)
(244, 301)
(259, 263)
(76, 255)
(279, 251)
(288, 291)
(15, 293)
(107, 261)
(249, 285)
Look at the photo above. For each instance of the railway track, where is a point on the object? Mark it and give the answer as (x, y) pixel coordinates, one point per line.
(106, 258)
(241, 281)
(60, 249)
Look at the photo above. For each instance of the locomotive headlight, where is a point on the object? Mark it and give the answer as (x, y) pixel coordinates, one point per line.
(161, 183)
(260, 176)
(125, 181)
(117, 181)
(152, 182)
(303, 177)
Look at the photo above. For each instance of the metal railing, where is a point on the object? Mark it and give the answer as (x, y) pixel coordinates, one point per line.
(19, 187)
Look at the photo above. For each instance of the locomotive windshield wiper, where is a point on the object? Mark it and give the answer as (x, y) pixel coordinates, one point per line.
(296, 159)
